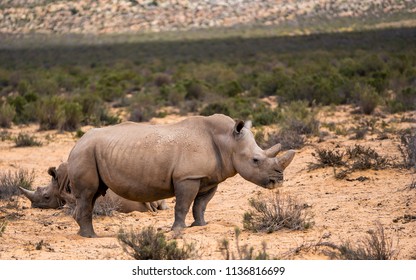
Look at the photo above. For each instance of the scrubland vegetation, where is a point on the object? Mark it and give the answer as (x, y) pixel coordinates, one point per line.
(66, 86)
(281, 81)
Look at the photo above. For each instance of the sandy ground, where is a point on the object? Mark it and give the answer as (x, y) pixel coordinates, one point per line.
(341, 210)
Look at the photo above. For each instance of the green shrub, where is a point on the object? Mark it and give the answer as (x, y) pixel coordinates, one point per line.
(215, 108)
(25, 140)
(298, 117)
(92, 108)
(24, 107)
(368, 99)
(152, 245)
(70, 116)
(7, 113)
(48, 112)
(264, 115)
(229, 88)
(110, 86)
(289, 139)
(5, 135)
(405, 100)
(195, 90)
(162, 79)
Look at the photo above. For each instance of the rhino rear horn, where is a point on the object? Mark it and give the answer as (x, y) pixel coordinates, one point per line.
(272, 151)
(286, 159)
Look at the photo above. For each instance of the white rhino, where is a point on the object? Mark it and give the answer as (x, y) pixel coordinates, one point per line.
(151, 162)
(58, 193)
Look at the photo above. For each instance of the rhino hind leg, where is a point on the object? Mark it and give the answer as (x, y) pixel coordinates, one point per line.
(83, 216)
(86, 191)
(200, 204)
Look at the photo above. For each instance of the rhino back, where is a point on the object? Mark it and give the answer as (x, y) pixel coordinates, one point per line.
(141, 162)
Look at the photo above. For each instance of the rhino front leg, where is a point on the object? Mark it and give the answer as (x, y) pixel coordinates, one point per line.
(185, 193)
(200, 204)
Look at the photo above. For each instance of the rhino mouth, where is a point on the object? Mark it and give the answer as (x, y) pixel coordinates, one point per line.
(273, 183)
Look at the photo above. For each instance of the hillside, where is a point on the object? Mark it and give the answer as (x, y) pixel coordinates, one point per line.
(126, 16)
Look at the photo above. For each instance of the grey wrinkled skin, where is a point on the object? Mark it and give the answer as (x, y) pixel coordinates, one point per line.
(58, 193)
(187, 160)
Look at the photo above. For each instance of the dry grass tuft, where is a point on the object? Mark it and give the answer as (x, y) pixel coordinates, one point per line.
(9, 182)
(375, 246)
(243, 252)
(280, 211)
(150, 244)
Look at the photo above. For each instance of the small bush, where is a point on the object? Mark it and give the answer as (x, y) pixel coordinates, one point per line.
(405, 100)
(9, 182)
(3, 225)
(368, 99)
(353, 159)
(299, 118)
(366, 158)
(281, 211)
(79, 133)
(71, 116)
(25, 140)
(141, 113)
(105, 207)
(7, 113)
(243, 252)
(215, 108)
(408, 148)
(5, 135)
(162, 79)
(412, 184)
(289, 139)
(48, 113)
(328, 158)
(152, 245)
(376, 246)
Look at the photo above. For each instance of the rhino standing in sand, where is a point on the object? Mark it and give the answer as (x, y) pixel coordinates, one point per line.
(151, 162)
(58, 193)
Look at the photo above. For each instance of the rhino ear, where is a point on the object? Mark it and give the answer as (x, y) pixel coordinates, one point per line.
(239, 125)
(52, 172)
(286, 159)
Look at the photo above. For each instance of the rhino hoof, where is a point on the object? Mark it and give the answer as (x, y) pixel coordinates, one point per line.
(87, 234)
(198, 224)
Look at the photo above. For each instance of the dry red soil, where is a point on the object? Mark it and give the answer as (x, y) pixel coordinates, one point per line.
(341, 210)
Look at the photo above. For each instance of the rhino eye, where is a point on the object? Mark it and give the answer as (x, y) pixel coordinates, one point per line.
(256, 160)
(46, 196)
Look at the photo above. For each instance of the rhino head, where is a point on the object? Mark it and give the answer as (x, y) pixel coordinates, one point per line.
(50, 196)
(254, 164)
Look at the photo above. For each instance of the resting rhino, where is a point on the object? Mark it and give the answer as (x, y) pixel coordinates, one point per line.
(150, 162)
(58, 193)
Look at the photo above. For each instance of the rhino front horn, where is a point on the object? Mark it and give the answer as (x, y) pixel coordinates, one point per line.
(286, 159)
(29, 194)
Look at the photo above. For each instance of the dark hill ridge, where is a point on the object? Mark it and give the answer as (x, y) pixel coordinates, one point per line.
(125, 16)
